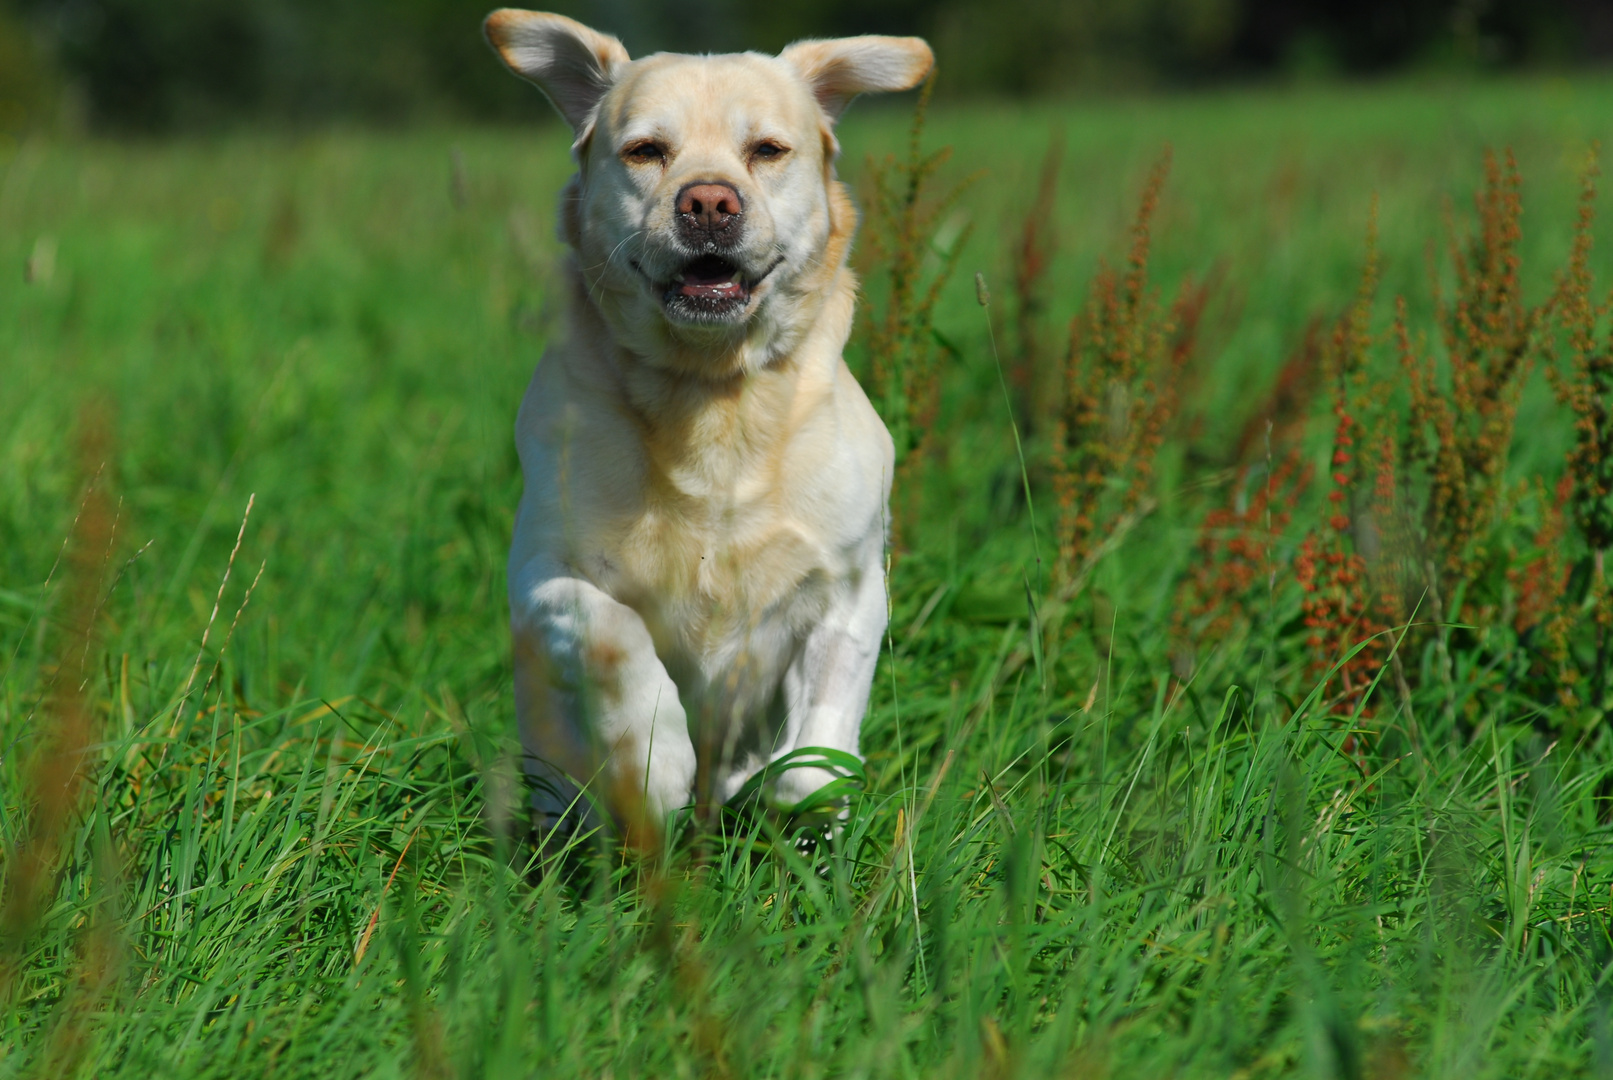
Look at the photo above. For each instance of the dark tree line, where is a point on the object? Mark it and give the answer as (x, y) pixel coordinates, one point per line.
(161, 64)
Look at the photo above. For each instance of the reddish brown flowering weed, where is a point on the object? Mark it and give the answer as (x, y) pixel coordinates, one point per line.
(1236, 554)
(1126, 358)
(904, 215)
(1342, 605)
(1030, 260)
(1460, 435)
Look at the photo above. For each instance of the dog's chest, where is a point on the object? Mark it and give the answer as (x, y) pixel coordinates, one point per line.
(719, 541)
(709, 574)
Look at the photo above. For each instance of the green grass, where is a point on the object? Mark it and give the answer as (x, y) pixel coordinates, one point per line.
(1081, 870)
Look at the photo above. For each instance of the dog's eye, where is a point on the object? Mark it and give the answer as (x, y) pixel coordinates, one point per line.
(768, 150)
(644, 153)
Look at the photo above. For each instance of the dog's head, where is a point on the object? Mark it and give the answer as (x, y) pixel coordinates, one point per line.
(705, 207)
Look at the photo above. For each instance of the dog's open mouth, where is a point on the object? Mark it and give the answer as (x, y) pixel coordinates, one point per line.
(709, 288)
(711, 277)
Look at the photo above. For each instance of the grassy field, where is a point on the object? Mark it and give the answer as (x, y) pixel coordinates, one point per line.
(285, 368)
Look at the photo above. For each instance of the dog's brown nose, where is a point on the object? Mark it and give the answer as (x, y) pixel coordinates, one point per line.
(709, 206)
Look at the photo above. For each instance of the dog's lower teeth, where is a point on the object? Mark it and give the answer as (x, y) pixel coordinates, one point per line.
(735, 279)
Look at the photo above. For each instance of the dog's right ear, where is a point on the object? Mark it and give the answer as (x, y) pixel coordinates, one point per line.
(570, 63)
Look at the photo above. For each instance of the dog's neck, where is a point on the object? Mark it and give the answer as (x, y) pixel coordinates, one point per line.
(731, 411)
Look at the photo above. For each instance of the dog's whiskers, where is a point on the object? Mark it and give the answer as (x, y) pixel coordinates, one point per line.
(605, 263)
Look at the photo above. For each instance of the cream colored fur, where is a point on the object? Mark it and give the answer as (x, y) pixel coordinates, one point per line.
(697, 573)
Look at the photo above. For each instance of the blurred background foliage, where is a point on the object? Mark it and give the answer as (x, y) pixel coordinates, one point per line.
(161, 65)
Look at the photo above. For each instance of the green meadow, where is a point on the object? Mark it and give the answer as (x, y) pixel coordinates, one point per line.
(257, 484)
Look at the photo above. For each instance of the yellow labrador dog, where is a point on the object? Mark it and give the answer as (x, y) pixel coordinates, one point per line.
(697, 575)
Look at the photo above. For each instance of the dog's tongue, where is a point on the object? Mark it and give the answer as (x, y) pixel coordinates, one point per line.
(714, 280)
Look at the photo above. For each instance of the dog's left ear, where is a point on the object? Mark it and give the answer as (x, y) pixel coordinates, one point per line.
(572, 64)
(841, 68)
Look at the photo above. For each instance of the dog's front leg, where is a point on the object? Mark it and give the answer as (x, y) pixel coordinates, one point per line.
(827, 685)
(596, 705)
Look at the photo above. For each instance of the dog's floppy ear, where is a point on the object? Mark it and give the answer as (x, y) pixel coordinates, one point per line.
(571, 64)
(841, 68)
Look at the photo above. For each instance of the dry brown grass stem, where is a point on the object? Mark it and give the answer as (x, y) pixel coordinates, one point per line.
(229, 635)
(375, 916)
(59, 768)
(61, 553)
(92, 983)
(218, 600)
(1033, 371)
